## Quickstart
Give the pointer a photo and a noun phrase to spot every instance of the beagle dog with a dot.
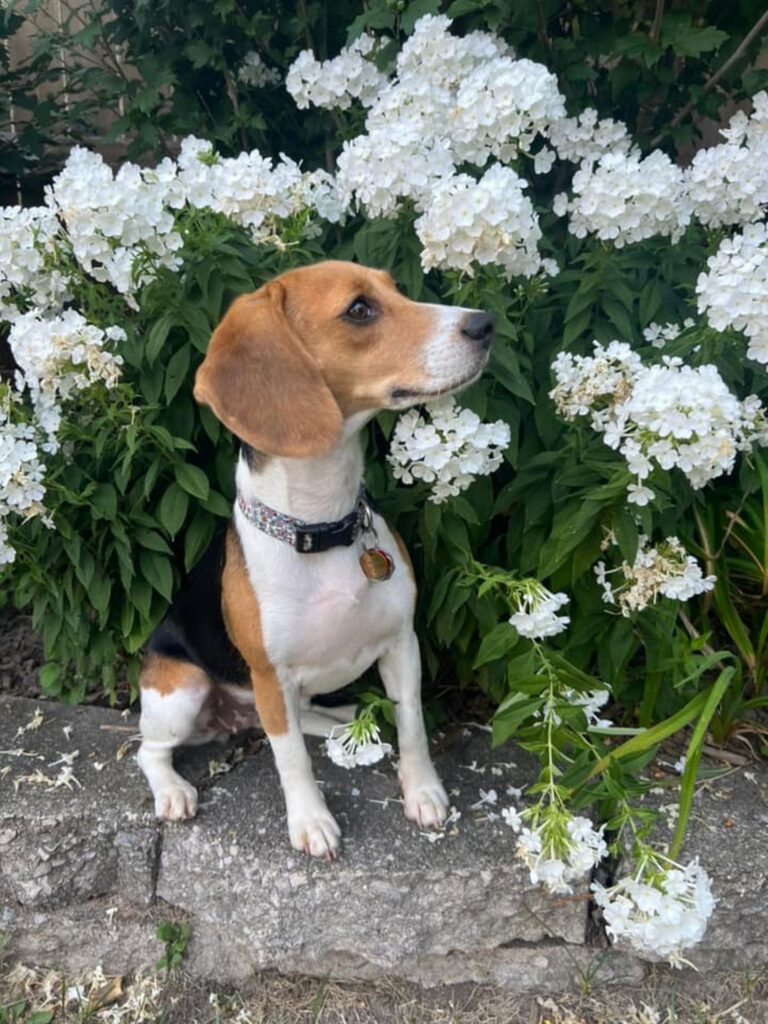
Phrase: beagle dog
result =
(282, 608)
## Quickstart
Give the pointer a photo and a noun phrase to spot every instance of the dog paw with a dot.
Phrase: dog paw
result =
(425, 802)
(316, 834)
(176, 801)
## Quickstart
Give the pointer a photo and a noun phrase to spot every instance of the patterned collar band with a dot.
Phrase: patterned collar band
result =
(308, 538)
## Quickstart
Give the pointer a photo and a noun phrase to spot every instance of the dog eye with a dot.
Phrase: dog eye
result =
(360, 311)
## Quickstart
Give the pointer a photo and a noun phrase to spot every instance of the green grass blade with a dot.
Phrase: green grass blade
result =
(692, 757)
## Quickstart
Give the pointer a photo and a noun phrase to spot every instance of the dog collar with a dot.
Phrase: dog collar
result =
(307, 538)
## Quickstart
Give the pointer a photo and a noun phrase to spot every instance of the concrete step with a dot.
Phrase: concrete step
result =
(86, 872)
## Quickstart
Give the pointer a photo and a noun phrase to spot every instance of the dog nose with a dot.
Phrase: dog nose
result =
(479, 327)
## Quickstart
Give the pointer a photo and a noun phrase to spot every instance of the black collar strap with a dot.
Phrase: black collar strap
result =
(307, 538)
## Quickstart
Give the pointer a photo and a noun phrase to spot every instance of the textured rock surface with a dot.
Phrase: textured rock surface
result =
(391, 901)
(86, 873)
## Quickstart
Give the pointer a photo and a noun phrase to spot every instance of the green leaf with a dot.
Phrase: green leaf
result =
(687, 39)
(141, 597)
(104, 502)
(693, 754)
(99, 593)
(193, 480)
(506, 723)
(496, 644)
(651, 298)
(417, 9)
(376, 244)
(157, 571)
(197, 537)
(157, 337)
(627, 536)
(217, 505)
(176, 372)
(172, 510)
(618, 316)
(651, 738)
(50, 678)
(459, 7)
(151, 540)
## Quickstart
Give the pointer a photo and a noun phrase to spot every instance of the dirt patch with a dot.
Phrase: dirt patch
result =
(21, 655)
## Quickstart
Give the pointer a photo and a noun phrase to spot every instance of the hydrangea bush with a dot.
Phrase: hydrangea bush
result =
(609, 460)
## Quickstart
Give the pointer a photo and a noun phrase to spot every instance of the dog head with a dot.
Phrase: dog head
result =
(315, 346)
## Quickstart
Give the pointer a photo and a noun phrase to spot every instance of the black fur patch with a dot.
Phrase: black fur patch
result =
(254, 459)
(194, 628)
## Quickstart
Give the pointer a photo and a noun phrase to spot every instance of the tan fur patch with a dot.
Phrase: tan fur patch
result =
(166, 675)
(243, 622)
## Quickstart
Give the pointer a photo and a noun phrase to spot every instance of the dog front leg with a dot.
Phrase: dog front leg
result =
(425, 800)
(311, 826)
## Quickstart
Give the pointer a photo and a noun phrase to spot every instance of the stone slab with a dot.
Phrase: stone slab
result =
(393, 899)
(86, 873)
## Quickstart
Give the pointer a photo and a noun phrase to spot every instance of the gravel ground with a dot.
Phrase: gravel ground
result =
(666, 997)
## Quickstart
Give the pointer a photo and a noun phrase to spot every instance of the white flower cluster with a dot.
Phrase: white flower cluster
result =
(246, 188)
(28, 275)
(448, 449)
(665, 569)
(659, 334)
(536, 617)
(500, 108)
(625, 198)
(358, 744)
(255, 73)
(728, 184)
(669, 415)
(336, 83)
(587, 385)
(58, 357)
(485, 221)
(385, 166)
(452, 101)
(734, 290)
(591, 702)
(21, 474)
(585, 138)
(662, 911)
(121, 227)
(556, 851)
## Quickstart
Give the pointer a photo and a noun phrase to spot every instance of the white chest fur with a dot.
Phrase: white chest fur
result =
(323, 622)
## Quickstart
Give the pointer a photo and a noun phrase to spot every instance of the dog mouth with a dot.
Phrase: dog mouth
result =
(408, 396)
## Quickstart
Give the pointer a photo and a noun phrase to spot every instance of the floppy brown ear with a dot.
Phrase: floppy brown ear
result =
(262, 383)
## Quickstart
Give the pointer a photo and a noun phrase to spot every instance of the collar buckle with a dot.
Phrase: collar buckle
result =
(316, 537)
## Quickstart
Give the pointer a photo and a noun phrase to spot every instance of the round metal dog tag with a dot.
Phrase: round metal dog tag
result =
(377, 564)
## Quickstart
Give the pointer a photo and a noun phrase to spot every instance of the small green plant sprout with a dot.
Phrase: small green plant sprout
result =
(175, 937)
(359, 742)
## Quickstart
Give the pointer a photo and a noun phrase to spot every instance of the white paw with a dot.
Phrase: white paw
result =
(315, 833)
(176, 801)
(425, 801)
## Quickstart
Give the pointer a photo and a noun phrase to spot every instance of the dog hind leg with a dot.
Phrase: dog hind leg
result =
(173, 694)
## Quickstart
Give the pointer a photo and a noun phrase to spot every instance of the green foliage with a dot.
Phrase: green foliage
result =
(175, 937)
(150, 473)
(152, 83)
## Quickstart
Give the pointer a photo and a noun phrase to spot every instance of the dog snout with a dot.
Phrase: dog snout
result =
(479, 327)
